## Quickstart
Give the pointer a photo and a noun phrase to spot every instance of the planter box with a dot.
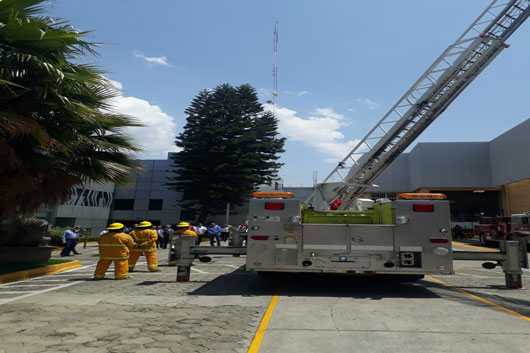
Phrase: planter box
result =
(39, 254)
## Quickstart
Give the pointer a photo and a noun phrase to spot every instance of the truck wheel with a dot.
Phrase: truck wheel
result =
(482, 239)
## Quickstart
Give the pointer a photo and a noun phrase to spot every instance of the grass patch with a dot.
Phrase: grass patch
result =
(22, 266)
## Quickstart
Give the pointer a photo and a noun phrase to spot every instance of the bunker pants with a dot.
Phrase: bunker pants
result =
(121, 270)
(150, 256)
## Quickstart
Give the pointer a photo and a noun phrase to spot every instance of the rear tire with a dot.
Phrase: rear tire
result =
(482, 239)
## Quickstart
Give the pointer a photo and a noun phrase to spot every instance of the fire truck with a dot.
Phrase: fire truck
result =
(335, 230)
(516, 227)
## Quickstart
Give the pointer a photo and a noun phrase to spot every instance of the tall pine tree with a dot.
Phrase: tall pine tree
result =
(229, 147)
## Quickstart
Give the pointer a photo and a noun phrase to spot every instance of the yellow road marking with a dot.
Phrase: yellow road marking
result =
(479, 298)
(473, 246)
(258, 337)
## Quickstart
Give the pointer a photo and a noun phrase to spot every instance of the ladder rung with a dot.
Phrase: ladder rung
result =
(441, 70)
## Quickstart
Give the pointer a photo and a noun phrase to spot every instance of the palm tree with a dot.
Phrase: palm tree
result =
(56, 127)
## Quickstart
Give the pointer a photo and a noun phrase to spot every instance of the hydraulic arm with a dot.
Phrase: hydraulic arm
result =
(434, 91)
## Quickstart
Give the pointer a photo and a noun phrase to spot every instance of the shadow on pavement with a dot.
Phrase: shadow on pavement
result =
(313, 285)
(519, 305)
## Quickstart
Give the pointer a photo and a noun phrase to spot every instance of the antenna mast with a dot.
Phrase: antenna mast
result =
(275, 70)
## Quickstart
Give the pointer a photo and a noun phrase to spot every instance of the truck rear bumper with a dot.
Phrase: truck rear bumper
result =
(362, 272)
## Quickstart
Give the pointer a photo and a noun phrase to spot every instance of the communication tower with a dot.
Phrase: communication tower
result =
(275, 70)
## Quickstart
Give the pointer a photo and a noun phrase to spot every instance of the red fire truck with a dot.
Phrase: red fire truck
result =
(503, 228)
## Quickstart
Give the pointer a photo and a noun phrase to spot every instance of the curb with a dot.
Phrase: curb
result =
(40, 271)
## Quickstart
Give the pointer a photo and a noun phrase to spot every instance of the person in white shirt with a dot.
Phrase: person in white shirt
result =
(225, 232)
(160, 239)
(201, 231)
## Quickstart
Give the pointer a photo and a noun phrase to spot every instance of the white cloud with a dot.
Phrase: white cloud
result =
(157, 137)
(320, 131)
(298, 94)
(153, 60)
(368, 103)
(265, 93)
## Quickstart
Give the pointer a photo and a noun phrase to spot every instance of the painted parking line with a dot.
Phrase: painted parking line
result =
(476, 297)
(5, 301)
(199, 271)
(233, 266)
(260, 333)
(32, 282)
(18, 284)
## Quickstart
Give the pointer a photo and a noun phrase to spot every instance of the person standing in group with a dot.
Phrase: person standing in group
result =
(182, 229)
(243, 227)
(70, 241)
(214, 233)
(115, 245)
(201, 232)
(167, 235)
(160, 239)
(144, 243)
(225, 232)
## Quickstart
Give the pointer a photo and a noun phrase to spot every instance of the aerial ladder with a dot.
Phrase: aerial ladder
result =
(432, 93)
(409, 236)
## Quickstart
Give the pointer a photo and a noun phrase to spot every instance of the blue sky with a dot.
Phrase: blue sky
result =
(342, 65)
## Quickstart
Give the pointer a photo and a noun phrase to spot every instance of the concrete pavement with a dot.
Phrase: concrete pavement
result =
(149, 313)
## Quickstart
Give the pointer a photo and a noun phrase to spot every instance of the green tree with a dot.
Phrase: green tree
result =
(229, 147)
(56, 127)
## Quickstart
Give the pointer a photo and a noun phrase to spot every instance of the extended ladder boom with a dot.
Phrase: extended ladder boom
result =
(447, 77)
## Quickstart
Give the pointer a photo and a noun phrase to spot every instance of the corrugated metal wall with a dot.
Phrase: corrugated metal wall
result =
(510, 155)
(450, 164)
(395, 178)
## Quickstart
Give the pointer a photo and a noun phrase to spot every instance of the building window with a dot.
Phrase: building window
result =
(65, 222)
(124, 204)
(187, 215)
(155, 204)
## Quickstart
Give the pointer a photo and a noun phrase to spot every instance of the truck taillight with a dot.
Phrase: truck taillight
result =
(276, 206)
(439, 240)
(259, 237)
(423, 207)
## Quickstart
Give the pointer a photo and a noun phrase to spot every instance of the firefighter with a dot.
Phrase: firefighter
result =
(144, 243)
(114, 246)
(183, 228)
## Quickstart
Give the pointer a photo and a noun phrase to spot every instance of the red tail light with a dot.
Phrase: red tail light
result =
(259, 237)
(439, 240)
(423, 207)
(276, 206)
